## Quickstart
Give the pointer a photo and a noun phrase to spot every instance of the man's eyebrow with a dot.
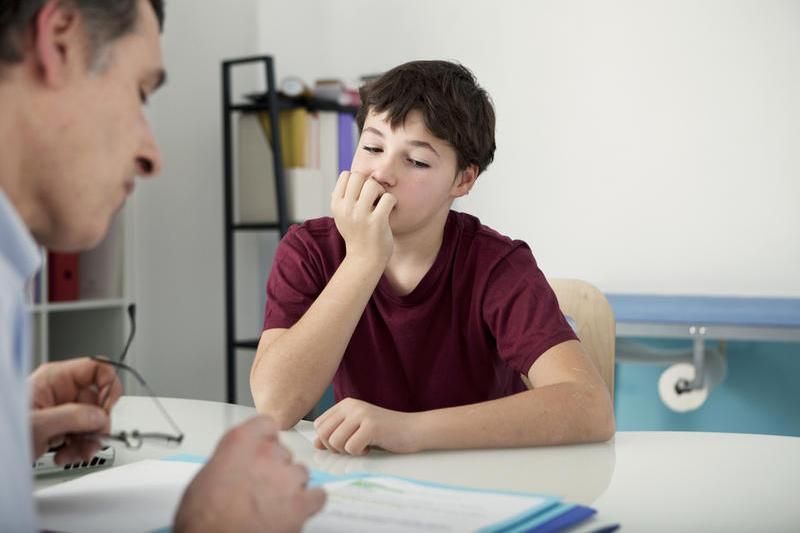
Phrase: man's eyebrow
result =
(420, 144)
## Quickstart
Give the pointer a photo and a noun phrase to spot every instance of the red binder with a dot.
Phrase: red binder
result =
(62, 276)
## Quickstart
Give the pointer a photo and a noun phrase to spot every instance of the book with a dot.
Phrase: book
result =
(329, 150)
(347, 140)
(63, 276)
(294, 127)
(338, 91)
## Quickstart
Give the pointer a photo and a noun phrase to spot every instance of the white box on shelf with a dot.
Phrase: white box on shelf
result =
(307, 190)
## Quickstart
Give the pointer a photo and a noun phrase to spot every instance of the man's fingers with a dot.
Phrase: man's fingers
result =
(107, 381)
(65, 381)
(312, 501)
(88, 395)
(77, 448)
(53, 422)
(253, 436)
(111, 393)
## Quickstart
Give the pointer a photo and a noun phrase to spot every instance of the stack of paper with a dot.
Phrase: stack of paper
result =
(388, 504)
(143, 496)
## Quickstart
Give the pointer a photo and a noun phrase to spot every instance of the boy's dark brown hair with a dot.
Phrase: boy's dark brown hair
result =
(454, 107)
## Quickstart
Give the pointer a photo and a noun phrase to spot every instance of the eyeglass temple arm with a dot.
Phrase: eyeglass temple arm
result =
(132, 320)
(124, 353)
(144, 384)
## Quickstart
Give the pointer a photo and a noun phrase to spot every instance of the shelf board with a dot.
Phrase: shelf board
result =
(78, 305)
(252, 343)
(312, 104)
(255, 226)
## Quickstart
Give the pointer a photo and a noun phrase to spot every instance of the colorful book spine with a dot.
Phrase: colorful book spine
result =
(347, 145)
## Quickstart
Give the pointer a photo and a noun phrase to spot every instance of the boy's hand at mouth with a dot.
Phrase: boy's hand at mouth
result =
(361, 209)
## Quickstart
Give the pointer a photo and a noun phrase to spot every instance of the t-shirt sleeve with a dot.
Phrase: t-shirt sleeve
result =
(522, 312)
(295, 280)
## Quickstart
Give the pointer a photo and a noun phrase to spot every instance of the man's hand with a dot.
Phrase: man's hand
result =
(249, 484)
(352, 426)
(65, 402)
(361, 209)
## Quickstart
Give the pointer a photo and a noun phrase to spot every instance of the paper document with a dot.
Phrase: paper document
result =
(144, 496)
(384, 504)
(141, 496)
(309, 434)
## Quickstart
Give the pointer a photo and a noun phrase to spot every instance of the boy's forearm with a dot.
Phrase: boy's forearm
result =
(290, 375)
(557, 414)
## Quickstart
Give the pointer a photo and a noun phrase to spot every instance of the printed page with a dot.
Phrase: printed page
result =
(387, 505)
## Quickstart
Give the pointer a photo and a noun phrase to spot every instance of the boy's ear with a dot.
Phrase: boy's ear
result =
(465, 180)
(58, 43)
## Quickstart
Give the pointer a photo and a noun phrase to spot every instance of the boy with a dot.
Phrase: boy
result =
(424, 319)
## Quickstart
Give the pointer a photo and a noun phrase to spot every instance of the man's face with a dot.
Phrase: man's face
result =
(101, 138)
(418, 168)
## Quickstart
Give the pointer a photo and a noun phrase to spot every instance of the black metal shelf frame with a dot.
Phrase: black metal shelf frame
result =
(272, 103)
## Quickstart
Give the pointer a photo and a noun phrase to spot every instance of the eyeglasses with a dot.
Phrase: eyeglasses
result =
(135, 438)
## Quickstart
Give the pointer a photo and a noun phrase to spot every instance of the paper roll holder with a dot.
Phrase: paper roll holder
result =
(698, 335)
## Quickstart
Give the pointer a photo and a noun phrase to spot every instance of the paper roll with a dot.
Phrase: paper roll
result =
(715, 368)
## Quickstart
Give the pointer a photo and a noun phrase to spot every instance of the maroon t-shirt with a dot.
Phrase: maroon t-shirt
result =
(478, 319)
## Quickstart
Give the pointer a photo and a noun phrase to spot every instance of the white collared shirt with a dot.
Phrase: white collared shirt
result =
(19, 261)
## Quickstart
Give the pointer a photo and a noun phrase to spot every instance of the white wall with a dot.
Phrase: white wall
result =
(647, 146)
(643, 145)
(179, 222)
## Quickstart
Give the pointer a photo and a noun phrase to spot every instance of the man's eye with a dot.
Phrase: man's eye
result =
(372, 149)
(143, 96)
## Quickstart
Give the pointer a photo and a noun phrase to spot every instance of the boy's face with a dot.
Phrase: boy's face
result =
(412, 164)
(101, 139)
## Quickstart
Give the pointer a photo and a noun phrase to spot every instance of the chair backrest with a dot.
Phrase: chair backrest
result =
(594, 321)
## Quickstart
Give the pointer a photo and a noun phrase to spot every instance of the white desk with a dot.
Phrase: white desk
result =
(646, 481)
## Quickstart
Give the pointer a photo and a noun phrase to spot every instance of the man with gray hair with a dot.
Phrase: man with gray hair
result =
(74, 77)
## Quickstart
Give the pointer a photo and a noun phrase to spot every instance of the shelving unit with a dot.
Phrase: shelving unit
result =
(272, 103)
(96, 326)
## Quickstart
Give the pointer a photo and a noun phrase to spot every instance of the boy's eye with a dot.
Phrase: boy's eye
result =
(372, 149)
(143, 96)
(418, 164)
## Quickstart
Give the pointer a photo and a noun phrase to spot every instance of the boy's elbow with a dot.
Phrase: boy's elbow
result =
(605, 425)
(607, 428)
(283, 417)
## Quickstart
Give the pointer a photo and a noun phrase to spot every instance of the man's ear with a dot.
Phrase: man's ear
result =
(465, 180)
(58, 42)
